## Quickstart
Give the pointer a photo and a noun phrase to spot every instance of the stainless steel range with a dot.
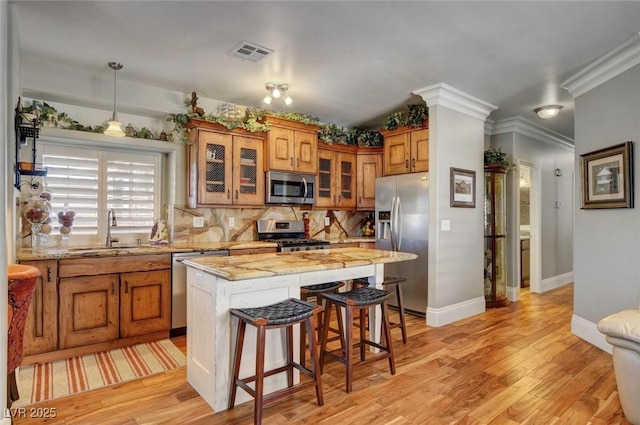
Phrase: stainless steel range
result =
(289, 235)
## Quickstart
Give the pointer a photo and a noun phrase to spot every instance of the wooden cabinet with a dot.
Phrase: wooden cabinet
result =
(369, 167)
(495, 237)
(291, 146)
(406, 150)
(336, 183)
(41, 327)
(224, 167)
(112, 298)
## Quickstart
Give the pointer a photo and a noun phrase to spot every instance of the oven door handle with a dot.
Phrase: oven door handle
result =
(304, 182)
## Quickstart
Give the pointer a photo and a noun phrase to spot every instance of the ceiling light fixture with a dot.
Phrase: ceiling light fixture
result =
(115, 126)
(548, 111)
(277, 91)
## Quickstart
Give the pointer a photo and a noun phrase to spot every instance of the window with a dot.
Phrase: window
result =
(89, 181)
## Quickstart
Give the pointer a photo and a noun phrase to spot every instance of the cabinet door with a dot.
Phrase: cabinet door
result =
(145, 302)
(88, 310)
(281, 149)
(306, 148)
(325, 193)
(369, 168)
(41, 327)
(419, 150)
(248, 171)
(396, 154)
(346, 172)
(214, 168)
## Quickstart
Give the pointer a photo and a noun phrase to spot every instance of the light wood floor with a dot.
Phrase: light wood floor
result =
(515, 365)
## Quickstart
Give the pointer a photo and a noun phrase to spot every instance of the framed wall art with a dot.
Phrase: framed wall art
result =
(607, 177)
(463, 188)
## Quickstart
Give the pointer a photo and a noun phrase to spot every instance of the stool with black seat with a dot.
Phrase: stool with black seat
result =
(357, 299)
(285, 314)
(392, 281)
(311, 291)
(22, 284)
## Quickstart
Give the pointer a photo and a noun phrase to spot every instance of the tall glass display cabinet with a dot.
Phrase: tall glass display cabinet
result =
(495, 236)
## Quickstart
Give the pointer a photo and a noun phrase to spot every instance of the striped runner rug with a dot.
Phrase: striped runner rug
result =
(46, 381)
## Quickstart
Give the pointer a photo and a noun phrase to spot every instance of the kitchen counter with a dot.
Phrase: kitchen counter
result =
(286, 263)
(217, 284)
(355, 239)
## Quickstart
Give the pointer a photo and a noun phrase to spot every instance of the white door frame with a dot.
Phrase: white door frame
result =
(535, 198)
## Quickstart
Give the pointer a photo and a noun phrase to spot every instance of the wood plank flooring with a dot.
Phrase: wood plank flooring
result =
(514, 365)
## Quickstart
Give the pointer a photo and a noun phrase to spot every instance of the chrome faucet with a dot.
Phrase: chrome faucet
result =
(111, 221)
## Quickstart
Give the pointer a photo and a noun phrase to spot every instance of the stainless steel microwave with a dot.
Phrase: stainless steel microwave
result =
(290, 188)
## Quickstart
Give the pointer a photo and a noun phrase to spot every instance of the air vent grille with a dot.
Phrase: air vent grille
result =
(250, 51)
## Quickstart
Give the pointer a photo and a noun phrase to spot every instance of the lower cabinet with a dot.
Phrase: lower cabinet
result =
(91, 304)
(41, 327)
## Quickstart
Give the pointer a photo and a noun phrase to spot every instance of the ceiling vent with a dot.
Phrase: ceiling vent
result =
(250, 51)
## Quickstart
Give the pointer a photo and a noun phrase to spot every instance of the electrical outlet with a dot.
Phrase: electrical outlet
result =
(232, 221)
(198, 221)
(327, 221)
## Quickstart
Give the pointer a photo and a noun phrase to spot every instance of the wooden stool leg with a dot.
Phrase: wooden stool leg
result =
(325, 334)
(315, 364)
(403, 326)
(237, 357)
(340, 325)
(349, 347)
(289, 332)
(387, 331)
(259, 383)
(12, 389)
(362, 315)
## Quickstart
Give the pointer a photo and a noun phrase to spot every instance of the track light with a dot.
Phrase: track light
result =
(277, 91)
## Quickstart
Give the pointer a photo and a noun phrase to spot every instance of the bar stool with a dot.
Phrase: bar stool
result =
(314, 291)
(395, 281)
(283, 314)
(22, 283)
(357, 299)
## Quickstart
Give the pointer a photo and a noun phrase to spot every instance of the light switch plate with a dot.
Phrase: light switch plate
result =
(445, 225)
(198, 221)
(327, 221)
(232, 221)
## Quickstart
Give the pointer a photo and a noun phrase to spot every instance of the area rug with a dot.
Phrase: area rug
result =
(46, 381)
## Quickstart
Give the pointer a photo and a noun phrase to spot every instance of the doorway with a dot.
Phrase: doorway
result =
(528, 229)
(525, 226)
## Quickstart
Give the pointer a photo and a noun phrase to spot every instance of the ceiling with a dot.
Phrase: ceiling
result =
(349, 63)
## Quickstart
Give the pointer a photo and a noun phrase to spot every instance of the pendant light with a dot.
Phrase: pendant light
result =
(115, 126)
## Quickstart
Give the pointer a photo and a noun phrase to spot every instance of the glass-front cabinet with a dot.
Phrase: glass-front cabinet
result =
(336, 177)
(495, 237)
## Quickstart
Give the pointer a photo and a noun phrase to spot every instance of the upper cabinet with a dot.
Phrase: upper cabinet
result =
(225, 167)
(406, 150)
(291, 146)
(369, 167)
(336, 183)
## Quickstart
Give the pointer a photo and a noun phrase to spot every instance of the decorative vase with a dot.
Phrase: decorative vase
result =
(36, 212)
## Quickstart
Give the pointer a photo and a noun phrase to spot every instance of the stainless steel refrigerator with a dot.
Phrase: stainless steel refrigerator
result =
(402, 208)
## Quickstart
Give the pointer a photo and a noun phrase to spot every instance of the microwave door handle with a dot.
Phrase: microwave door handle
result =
(304, 183)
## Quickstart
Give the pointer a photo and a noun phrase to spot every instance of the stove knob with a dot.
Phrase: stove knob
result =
(307, 248)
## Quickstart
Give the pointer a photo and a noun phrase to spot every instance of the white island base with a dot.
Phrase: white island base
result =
(211, 330)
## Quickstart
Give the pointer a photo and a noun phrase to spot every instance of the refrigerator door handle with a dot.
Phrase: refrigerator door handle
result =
(398, 224)
(391, 223)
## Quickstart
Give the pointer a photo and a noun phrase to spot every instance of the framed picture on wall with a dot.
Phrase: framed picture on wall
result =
(607, 177)
(463, 188)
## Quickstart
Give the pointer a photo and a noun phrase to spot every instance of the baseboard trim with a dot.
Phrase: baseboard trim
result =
(556, 281)
(588, 331)
(444, 315)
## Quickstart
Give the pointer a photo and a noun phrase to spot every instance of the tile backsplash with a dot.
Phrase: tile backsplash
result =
(216, 223)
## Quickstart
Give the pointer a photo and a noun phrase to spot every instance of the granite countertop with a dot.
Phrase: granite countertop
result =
(244, 267)
(55, 253)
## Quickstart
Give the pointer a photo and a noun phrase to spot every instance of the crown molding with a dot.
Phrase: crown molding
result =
(531, 129)
(606, 67)
(452, 98)
(488, 126)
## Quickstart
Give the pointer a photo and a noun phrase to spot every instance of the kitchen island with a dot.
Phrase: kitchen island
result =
(216, 284)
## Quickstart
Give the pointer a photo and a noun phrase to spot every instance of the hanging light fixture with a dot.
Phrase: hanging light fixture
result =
(115, 126)
(277, 91)
(548, 111)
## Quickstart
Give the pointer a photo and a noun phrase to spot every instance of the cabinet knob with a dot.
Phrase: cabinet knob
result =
(413, 163)
(291, 161)
(406, 163)
(49, 274)
(237, 194)
(228, 193)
